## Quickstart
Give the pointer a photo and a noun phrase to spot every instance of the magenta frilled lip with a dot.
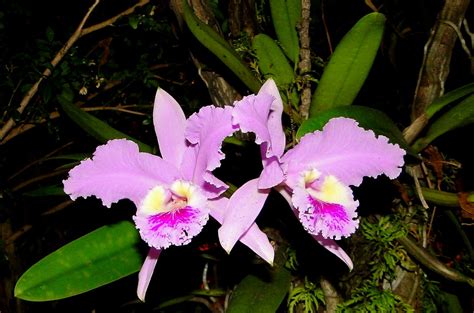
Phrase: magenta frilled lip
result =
(172, 216)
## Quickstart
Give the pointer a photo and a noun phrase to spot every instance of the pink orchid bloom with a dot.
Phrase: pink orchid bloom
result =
(175, 193)
(314, 176)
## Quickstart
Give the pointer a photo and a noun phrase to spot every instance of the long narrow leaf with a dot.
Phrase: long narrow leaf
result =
(96, 259)
(459, 116)
(97, 128)
(272, 61)
(286, 14)
(50, 190)
(349, 65)
(448, 98)
(220, 48)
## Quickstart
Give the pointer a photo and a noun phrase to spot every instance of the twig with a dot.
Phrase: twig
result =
(20, 232)
(371, 5)
(78, 33)
(53, 115)
(39, 160)
(305, 57)
(326, 29)
(47, 72)
(26, 228)
(58, 207)
(112, 20)
(27, 126)
(468, 31)
(332, 297)
(38, 178)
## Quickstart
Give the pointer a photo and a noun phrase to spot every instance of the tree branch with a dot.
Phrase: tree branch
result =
(78, 33)
(112, 20)
(436, 62)
(305, 57)
(47, 72)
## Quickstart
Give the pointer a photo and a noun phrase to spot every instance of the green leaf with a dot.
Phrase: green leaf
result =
(444, 198)
(272, 61)
(210, 39)
(52, 190)
(263, 295)
(96, 259)
(286, 14)
(95, 127)
(349, 65)
(460, 115)
(448, 98)
(72, 156)
(260, 295)
(368, 118)
(49, 34)
(451, 303)
(133, 21)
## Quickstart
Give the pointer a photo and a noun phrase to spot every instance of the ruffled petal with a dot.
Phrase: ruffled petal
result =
(146, 272)
(207, 129)
(118, 171)
(170, 123)
(241, 211)
(175, 228)
(345, 150)
(334, 248)
(261, 114)
(253, 238)
(329, 244)
(213, 186)
(331, 220)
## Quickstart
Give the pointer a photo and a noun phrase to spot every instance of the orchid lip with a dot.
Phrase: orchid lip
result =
(172, 215)
(325, 205)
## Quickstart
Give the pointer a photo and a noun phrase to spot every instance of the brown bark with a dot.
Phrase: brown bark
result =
(242, 17)
(220, 91)
(436, 62)
(305, 57)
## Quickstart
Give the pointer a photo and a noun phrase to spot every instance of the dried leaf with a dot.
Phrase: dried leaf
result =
(466, 206)
(435, 160)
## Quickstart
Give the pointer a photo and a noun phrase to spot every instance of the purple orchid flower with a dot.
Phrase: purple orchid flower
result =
(314, 176)
(175, 193)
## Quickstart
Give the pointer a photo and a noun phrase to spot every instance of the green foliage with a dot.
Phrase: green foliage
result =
(349, 65)
(55, 190)
(272, 62)
(122, 66)
(431, 295)
(372, 299)
(286, 15)
(263, 292)
(98, 258)
(210, 39)
(386, 254)
(260, 294)
(309, 295)
(448, 98)
(460, 115)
